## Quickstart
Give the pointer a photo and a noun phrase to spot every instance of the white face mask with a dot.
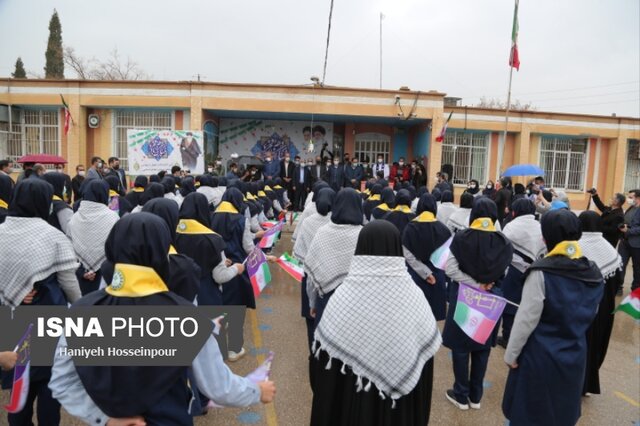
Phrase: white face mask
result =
(401, 163)
(268, 159)
(81, 173)
(380, 160)
(210, 169)
(336, 163)
(631, 200)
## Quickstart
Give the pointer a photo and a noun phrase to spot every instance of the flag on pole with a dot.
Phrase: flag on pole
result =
(441, 255)
(443, 132)
(67, 116)
(514, 57)
(477, 312)
(631, 304)
(20, 388)
(258, 270)
(291, 266)
(271, 236)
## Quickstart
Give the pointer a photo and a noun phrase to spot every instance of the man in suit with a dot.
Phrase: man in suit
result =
(115, 170)
(318, 170)
(286, 174)
(301, 184)
(353, 174)
(271, 168)
(632, 234)
(335, 175)
(77, 181)
(95, 171)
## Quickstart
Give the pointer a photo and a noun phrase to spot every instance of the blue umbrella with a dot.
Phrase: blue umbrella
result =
(523, 170)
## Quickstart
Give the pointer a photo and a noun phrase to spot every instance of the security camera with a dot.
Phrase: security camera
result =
(397, 98)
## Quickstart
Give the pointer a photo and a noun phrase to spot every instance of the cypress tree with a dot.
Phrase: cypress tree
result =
(19, 72)
(54, 67)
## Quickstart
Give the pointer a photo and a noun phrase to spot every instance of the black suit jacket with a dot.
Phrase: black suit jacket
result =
(610, 220)
(306, 184)
(318, 172)
(290, 169)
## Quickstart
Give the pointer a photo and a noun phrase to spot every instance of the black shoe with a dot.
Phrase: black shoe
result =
(502, 342)
(452, 399)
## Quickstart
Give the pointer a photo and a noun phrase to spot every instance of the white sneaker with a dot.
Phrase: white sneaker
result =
(234, 356)
(452, 399)
(474, 405)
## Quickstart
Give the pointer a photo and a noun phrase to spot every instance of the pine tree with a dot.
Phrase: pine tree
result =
(54, 67)
(19, 72)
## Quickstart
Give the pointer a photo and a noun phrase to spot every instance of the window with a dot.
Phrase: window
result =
(467, 153)
(563, 161)
(33, 131)
(137, 119)
(632, 177)
(370, 145)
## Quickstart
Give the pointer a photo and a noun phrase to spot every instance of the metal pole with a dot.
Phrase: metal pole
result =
(503, 140)
(381, 17)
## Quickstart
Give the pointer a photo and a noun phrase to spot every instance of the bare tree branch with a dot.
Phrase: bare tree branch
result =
(498, 104)
(113, 68)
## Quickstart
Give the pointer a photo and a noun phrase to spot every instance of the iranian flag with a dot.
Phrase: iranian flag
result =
(477, 312)
(67, 116)
(291, 266)
(514, 58)
(20, 386)
(258, 270)
(443, 132)
(631, 304)
(270, 237)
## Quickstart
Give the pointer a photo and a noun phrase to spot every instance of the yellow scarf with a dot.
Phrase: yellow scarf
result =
(403, 209)
(268, 188)
(483, 224)
(172, 250)
(192, 226)
(113, 193)
(374, 197)
(262, 194)
(250, 196)
(3, 204)
(425, 217)
(570, 249)
(56, 198)
(137, 189)
(135, 281)
(276, 187)
(384, 207)
(226, 207)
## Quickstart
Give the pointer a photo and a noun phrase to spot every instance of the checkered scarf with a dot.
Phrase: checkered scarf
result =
(42, 252)
(308, 211)
(459, 220)
(333, 248)
(305, 237)
(379, 324)
(597, 249)
(525, 235)
(88, 230)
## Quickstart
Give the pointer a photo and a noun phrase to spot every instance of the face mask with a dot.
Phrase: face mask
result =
(268, 159)
(631, 201)
(81, 173)
(401, 163)
(297, 163)
(218, 162)
(336, 163)
(366, 165)
(253, 172)
(286, 159)
(99, 165)
(472, 186)
(210, 169)
(413, 166)
(354, 165)
(380, 160)
(489, 186)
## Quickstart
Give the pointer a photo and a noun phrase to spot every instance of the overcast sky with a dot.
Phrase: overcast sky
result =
(576, 55)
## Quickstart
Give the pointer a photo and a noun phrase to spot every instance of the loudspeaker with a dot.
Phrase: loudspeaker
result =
(93, 121)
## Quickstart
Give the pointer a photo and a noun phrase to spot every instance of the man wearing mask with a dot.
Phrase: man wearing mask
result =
(353, 174)
(624, 249)
(381, 169)
(233, 172)
(95, 171)
(367, 171)
(301, 185)
(401, 172)
(612, 216)
(286, 174)
(77, 181)
(271, 168)
(632, 235)
(115, 170)
(318, 170)
(335, 175)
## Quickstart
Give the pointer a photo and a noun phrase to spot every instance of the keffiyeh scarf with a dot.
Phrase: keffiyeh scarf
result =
(305, 237)
(22, 266)
(308, 211)
(333, 247)
(598, 250)
(88, 229)
(379, 323)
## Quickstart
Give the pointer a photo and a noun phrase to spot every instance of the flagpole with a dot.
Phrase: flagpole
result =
(503, 140)
(381, 16)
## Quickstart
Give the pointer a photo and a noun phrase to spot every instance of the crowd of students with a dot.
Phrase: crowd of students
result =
(371, 296)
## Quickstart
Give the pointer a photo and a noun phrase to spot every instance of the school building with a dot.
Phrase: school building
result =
(576, 151)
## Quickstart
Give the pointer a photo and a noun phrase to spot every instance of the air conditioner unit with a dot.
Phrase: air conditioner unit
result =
(93, 121)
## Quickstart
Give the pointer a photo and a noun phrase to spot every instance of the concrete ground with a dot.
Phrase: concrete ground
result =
(276, 326)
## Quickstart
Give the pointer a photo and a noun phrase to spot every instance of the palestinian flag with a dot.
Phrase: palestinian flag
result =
(291, 266)
(631, 304)
(514, 58)
(443, 132)
(67, 116)
(258, 270)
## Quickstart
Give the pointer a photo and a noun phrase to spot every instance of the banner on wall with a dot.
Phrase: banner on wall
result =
(256, 137)
(150, 151)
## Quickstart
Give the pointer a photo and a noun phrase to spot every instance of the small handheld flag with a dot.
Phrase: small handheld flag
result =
(271, 236)
(631, 304)
(258, 270)
(291, 266)
(443, 132)
(441, 255)
(477, 312)
(20, 388)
